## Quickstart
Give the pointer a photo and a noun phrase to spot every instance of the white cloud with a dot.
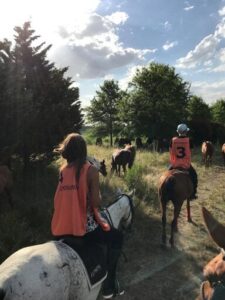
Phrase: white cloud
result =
(168, 45)
(118, 17)
(95, 50)
(123, 83)
(45, 21)
(222, 11)
(209, 91)
(187, 8)
(204, 51)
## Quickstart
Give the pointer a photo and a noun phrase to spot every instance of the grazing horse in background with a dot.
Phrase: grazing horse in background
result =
(213, 288)
(100, 165)
(223, 153)
(175, 185)
(123, 157)
(98, 141)
(53, 270)
(207, 152)
(138, 143)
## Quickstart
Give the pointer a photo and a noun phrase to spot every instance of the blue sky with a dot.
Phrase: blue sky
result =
(109, 39)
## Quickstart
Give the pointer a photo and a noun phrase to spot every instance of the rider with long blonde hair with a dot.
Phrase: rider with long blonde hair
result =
(76, 204)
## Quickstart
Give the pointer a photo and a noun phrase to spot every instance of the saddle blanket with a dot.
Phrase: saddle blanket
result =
(93, 258)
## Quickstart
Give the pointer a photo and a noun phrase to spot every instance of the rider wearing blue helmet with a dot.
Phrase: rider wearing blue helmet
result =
(180, 154)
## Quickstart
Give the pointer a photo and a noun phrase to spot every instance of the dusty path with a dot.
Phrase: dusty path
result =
(152, 273)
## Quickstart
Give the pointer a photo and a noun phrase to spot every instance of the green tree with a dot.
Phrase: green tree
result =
(218, 111)
(102, 112)
(157, 101)
(42, 104)
(197, 109)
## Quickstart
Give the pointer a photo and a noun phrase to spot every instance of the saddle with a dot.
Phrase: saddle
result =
(180, 170)
(93, 257)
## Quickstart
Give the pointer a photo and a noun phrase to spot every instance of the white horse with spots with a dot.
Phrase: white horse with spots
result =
(54, 271)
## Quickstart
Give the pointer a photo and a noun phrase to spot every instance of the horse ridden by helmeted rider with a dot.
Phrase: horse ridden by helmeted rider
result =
(180, 155)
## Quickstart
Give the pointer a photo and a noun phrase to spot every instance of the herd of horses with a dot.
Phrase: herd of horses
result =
(46, 271)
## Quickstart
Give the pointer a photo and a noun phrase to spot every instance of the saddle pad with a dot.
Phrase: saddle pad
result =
(93, 257)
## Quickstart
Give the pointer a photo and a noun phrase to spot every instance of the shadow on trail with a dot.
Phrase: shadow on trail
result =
(155, 273)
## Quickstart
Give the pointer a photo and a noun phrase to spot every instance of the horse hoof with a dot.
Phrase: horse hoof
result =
(189, 220)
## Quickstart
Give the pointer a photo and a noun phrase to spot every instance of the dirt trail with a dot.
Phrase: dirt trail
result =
(152, 273)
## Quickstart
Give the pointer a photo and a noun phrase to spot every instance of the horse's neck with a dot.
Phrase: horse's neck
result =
(94, 162)
(118, 210)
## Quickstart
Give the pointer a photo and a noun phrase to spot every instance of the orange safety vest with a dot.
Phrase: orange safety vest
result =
(70, 204)
(180, 153)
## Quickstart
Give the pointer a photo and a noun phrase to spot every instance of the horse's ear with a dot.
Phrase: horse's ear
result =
(205, 290)
(215, 229)
(119, 192)
(103, 161)
(132, 193)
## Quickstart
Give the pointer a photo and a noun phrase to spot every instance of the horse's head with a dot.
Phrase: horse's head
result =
(102, 169)
(214, 272)
(121, 212)
(100, 165)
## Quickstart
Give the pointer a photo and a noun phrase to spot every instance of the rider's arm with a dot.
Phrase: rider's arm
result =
(93, 186)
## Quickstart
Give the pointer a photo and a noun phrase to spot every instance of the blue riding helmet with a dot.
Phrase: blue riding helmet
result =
(182, 128)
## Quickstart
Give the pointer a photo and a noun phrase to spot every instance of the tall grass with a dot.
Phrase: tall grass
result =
(29, 221)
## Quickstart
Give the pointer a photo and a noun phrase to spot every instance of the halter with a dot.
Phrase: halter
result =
(107, 215)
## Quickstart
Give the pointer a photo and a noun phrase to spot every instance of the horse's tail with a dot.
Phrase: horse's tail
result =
(2, 294)
(167, 189)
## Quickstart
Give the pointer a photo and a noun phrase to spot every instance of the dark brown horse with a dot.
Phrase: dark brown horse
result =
(174, 185)
(123, 157)
(223, 153)
(207, 153)
(213, 288)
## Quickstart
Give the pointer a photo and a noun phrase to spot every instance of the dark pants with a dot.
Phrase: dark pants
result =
(193, 175)
(113, 239)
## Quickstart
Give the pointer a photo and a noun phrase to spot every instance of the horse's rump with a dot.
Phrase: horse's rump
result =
(207, 148)
(175, 183)
(47, 271)
(121, 157)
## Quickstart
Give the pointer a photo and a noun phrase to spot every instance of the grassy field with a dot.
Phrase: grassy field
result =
(163, 274)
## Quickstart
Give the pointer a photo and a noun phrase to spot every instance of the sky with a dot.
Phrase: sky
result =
(110, 39)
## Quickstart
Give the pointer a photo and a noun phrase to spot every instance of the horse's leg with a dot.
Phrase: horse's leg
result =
(124, 169)
(188, 211)
(177, 209)
(119, 169)
(163, 207)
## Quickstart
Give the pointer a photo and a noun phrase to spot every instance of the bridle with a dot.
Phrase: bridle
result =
(107, 215)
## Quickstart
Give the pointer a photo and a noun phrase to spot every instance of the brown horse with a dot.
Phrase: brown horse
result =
(207, 153)
(223, 153)
(213, 288)
(174, 185)
(6, 182)
(123, 157)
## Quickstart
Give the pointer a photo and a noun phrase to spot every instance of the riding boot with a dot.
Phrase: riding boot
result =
(194, 178)
(111, 286)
